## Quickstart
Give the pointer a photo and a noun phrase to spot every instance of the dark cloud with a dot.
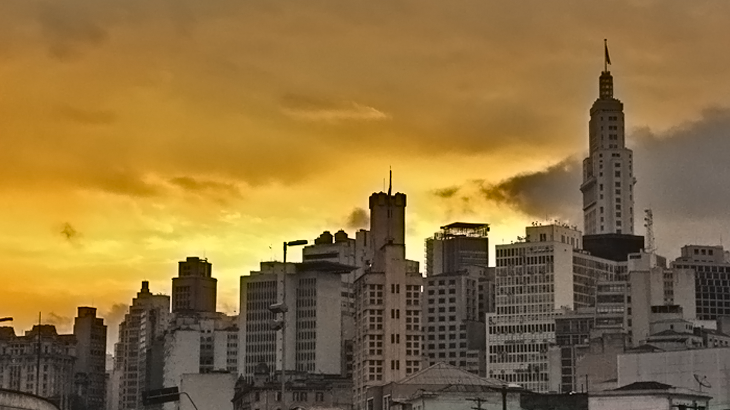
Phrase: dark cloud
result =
(69, 28)
(121, 182)
(64, 324)
(446, 192)
(550, 192)
(201, 186)
(87, 116)
(358, 219)
(69, 233)
(682, 176)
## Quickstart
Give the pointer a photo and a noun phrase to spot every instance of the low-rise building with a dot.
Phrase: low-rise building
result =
(303, 390)
(648, 395)
(41, 362)
(442, 386)
(707, 370)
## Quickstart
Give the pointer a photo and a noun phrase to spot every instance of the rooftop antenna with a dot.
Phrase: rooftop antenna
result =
(390, 181)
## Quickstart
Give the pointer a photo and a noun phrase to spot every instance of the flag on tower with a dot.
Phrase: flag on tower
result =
(605, 46)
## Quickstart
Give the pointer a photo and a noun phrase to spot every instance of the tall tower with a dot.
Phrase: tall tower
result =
(608, 179)
(90, 332)
(388, 338)
(194, 290)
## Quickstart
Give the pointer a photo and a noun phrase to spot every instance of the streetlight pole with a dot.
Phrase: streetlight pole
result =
(283, 318)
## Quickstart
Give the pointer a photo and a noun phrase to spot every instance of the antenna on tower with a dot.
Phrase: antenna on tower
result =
(649, 225)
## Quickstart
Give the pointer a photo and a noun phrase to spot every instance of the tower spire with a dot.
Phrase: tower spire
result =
(605, 82)
(390, 181)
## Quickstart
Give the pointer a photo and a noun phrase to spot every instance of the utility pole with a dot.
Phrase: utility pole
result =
(38, 357)
(478, 401)
(504, 397)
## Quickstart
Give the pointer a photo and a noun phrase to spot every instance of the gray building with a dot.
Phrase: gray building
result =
(456, 246)
(90, 367)
(194, 290)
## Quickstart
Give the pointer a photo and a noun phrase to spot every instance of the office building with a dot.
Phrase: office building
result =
(41, 362)
(134, 360)
(454, 309)
(305, 390)
(711, 266)
(388, 334)
(457, 246)
(90, 366)
(317, 318)
(536, 281)
(200, 343)
(194, 290)
(608, 179)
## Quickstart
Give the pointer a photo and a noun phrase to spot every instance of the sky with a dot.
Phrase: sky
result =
(135, 133)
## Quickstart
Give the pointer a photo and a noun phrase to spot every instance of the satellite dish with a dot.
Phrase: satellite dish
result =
(702, 381)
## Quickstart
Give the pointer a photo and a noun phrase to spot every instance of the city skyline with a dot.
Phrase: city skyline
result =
(148, 152)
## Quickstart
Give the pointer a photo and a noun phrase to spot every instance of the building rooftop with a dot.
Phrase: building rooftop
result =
(645, 386)
(445, 374)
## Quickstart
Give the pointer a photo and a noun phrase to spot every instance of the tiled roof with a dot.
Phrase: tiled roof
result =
(645, 386)
(445, 374)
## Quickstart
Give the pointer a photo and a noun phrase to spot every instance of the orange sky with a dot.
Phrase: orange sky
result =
(138, 132)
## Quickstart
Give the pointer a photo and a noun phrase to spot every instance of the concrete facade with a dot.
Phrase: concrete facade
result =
(90, 367)
(15, 400)
(48, 373)
(711, 266)
(207, 391)
(648, 395)
(388, 333)
(684, 369)
(536, 281)
(608, 180)
(318, 320)
(195, 288)
(148, 317)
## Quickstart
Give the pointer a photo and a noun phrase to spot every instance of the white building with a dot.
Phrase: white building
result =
(608, 178)
(648, 395)
(317, 319)
(536, 281)
(704, 370)
(388, 332)
(207, 390)
(711, 265)
(655, 290)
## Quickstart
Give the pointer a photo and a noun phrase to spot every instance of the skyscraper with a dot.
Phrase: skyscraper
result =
(608, 179)
(387, 303)
(318, 318)
(90, 332)
(457, 246)
(194, 290)
(147, 318)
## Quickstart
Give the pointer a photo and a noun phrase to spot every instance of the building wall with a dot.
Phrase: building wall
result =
(679, 368)
(90, 333)
(712, 279)
(535, 283)
(608, 179)
(194, 290)
(15, 400)
(131, 350)
(207, 391)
